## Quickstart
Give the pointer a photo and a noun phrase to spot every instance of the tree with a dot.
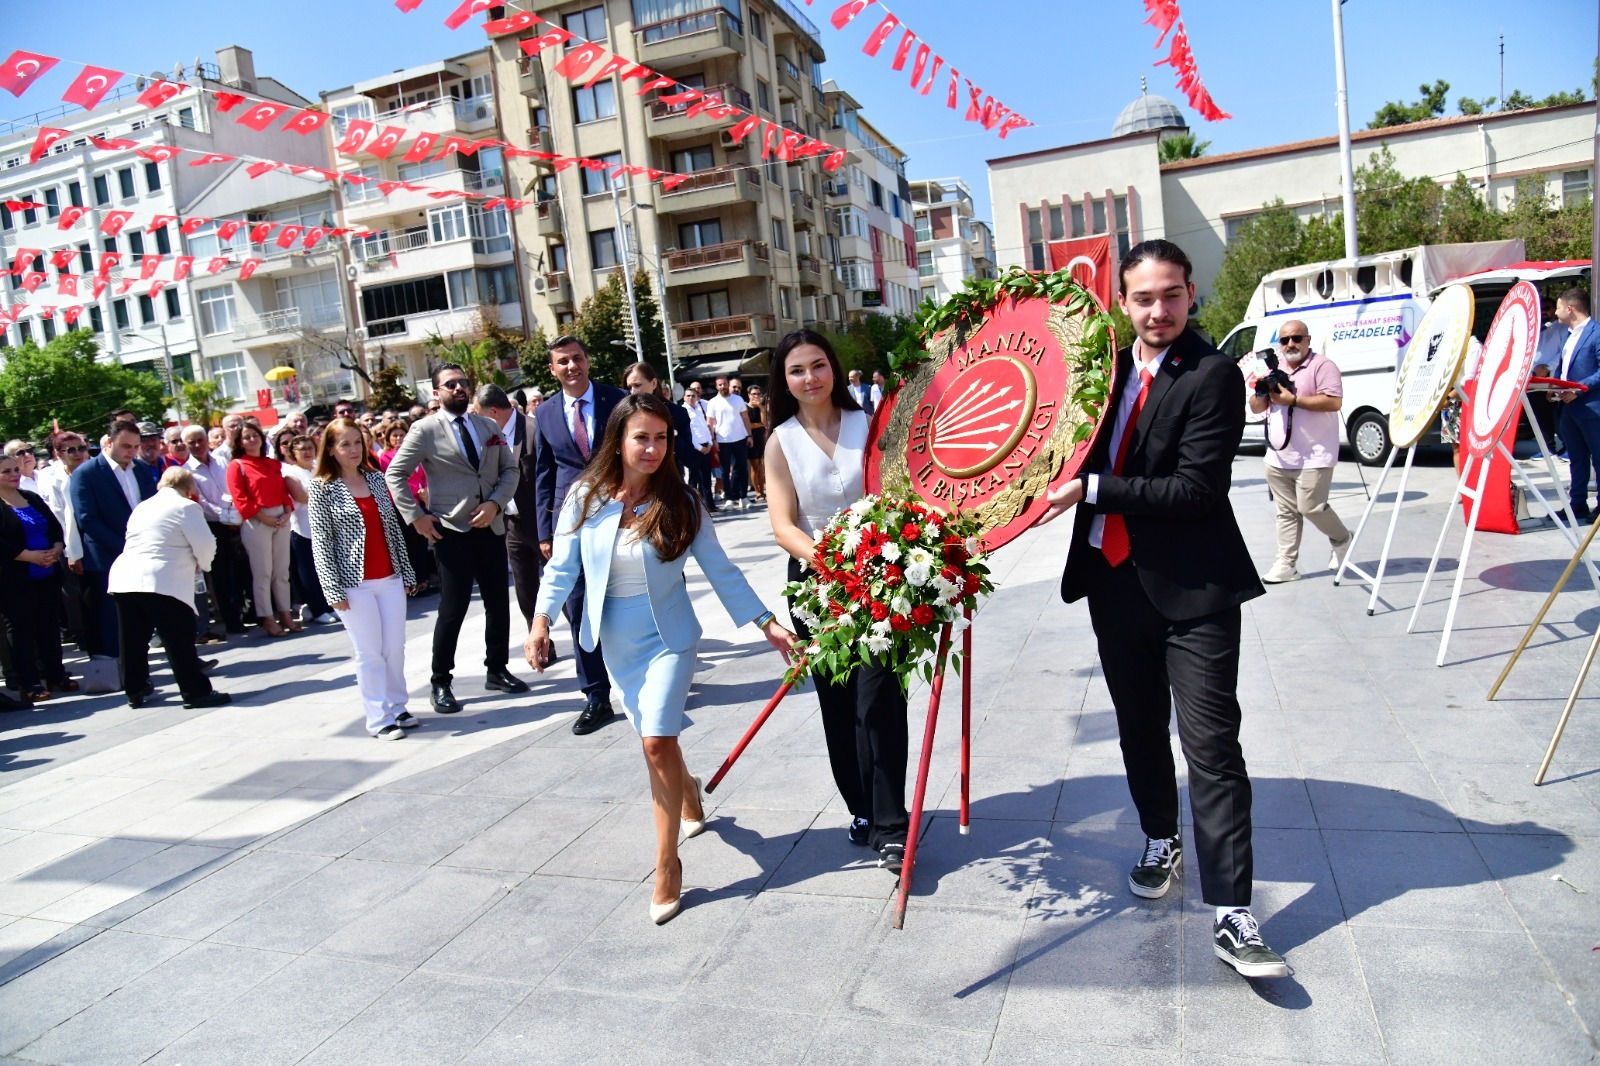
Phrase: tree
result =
(1521, 101)
(1468, 106)
(533, 355)
(1393, 211)
(1176, 146)
(204, 402)
(1549, 230)
(63, 382)
(1398, 112)
(603, 318)
(388, 388)
(1464, 216)
(865, 343)
(1269, 241)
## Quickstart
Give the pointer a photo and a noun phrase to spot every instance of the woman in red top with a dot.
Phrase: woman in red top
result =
(365, 574)
(264, 499)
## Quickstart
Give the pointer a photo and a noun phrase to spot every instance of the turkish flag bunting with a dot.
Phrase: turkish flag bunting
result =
(47, 311)
(408, 6)
(159, 153)
(114, 144)
(211, 157)
(226, 230)
(387, 188)
(23, 205)
(8, 317)
(228, 101)
(258, 232)
(70, 216)
(389, 139)
(217, 264)
(307, 121)
(107, 261)
(112, 223)
(181, 265)
(255, 170)
(33, 279)
(97, 286)
(261, 115)
(419, 147)
(159, 93)
(47, 136)
(22, 69)
(24, 256)
(467, 9)
(191, 226)
(1089, 259)
(67, 284)
(91, 86)
(355, 135)
(159, 222)
(288, 235)
(71, 314)
(314, 236)
(61, 258)
(1163, 14)
(156, 287)
(148, 265)
(247, 268)
(356, 179)
(522, 20)
(123, 286)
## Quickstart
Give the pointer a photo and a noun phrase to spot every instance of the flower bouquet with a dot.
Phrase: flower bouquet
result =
(886, 576)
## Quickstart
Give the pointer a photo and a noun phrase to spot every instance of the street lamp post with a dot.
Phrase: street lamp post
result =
(1346, 167)
(627, 260)
(661, 294)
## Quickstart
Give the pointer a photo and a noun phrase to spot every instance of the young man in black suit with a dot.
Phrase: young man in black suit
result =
(1158, 554)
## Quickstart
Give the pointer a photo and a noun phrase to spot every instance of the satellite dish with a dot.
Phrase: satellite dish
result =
(138, 81)
(177, 71)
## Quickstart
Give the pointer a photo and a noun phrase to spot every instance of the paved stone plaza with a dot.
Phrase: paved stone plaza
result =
(265, 884)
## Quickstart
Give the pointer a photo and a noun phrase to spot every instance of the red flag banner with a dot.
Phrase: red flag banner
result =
(181, 265)
(148, 265)
(22, 69)
(112, 223)
(307, 121)
(228, 101)
(255, 170)
(160, 93)
(288, 235)
(1165, 16)
(1089, 259)
(226, 230)
(114, 144)
(467, 9)
(91, 86)
(159, 221)
(159, 153)
(248, 267)
(356, 131)
(211, 157)
(70, 216)
(47, 136)
(193, 225)
(389, 139)
(156, 287)
(108, 260)
(218, 263)
(61, 258)
(72, 314)
(67, 284)
(261, 115)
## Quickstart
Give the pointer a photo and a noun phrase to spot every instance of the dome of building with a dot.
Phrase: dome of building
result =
(1148, 112)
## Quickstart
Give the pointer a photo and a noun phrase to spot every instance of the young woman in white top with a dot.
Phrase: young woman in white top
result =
(815, 459)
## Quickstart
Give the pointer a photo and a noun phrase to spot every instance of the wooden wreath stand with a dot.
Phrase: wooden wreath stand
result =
(920, 795)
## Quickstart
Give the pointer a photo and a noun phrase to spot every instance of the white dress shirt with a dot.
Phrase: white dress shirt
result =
(126, 481)
(1570, 345)
(211, 478)
(699, 431)
(1143, 359)
(569, 410)
(462, 424)
(513, 431)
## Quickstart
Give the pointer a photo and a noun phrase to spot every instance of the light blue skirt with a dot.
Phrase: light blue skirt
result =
(653, 679)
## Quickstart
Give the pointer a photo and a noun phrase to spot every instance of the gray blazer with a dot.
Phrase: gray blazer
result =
(454, 488)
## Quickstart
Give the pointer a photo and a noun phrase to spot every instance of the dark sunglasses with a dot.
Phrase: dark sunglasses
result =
(458, 383)
(1291, 338)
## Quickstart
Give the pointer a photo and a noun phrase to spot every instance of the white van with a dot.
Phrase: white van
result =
(1361, 313)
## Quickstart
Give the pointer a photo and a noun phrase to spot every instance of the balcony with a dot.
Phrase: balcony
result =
(483, 181)
(555, 287)
(732, 332)
(442, 116)
(418, 328)
(811, 272)
(530, 80)
(548, 219)
(790, 85)
(285, 324)
(719, 187)
(691, 39)
(539, 138)
(672, 120)
(729, 261)
(806, 213)
(411, 251)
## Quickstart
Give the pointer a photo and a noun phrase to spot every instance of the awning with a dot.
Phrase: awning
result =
(711, 366)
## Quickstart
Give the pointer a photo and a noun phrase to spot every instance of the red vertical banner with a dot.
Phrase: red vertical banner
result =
(1089, 258)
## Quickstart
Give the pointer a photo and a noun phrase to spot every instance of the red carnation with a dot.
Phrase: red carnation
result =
(951, 574)
(892, 575)
(880, 611)
(836, 609)
(838, 559)
(922, 614)
(972, 584)
(899, 623)
(911, 531)
(955, 554)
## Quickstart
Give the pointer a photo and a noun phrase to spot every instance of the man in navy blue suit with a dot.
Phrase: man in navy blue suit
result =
(1580, 415)
(105, 490)
(570, 425)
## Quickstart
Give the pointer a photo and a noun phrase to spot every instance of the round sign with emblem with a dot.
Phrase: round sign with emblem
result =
(986, 425)
(1507, 362)
(1431, 365)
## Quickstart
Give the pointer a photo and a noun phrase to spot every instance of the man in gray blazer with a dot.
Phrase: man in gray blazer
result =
(472, 475)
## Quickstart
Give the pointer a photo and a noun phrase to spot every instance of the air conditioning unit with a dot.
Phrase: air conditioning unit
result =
(728, 140)
(351, 271)
(540, 284)
(359, 334)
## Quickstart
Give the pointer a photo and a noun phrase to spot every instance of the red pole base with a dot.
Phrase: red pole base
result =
(750, 734)
(915, 828)
(966, 723)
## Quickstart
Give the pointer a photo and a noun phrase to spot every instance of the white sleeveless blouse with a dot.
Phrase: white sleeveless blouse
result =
(825, 486)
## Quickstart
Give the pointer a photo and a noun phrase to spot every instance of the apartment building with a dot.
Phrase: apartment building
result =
(745, 250)
(428, 268)
(952, 246)
(206, 325)
(870, 201)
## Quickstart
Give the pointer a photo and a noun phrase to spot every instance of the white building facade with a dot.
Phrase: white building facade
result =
(870, 200)
(953, 247)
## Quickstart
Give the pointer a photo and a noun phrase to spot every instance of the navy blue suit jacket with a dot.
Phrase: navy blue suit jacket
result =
(1585, 369)
(101, 510)
(558, 463)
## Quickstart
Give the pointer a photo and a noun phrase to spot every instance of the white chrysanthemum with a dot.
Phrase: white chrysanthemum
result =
(918, 575)
(900, 605)
(931, 532)
(863, 505)
(892, 520)
(890, 552)
(877, 644)
(852, 540)
(972, 545)
(958, 623)
(945, 590)
(919, 557)
(880, 629)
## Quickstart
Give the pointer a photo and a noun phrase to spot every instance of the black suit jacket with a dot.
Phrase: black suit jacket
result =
(1173, 491)
(559, 463)
(526, 452)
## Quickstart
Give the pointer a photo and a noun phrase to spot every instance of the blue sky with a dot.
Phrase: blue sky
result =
(1070, 67)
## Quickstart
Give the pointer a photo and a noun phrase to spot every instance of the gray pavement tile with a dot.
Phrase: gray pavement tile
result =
(284, 1017)
(528, 773)
(424, 1020)
(299, 918)
(349, 825)
(996, 865)
(58, 878)
(1571, 955)
(620, 846)
(528, 837)
(437, 826)
(146, 875)
(142, 1017)
(740, 849)
(49, 994)
(946, 968)
(22, 936)
(823, 862)
(856, 1042)
(1524, 865)
(559, 1027)
(1292, 876)
(787, 952)
(26, 958)
(1504, 799)
(409, 927)
(1279, 799)
(1334, 735)
(1444, 1004)
(1014, 1048)
(528, 933)
(84, 794)
(690, 1034)
(208, 904)
(1005, 787)
(1380, 796)
(1095, 794)
(1423, 880)
(616, 775)
(779, 782)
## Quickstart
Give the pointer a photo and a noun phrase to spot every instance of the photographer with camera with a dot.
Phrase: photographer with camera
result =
(1302, 401)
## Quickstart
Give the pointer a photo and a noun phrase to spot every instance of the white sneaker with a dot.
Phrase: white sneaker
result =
(1336, 560)
(305, 614)
(1280, 573)
(327, 619)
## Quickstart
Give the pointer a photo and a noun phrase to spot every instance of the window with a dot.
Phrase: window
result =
(102, 190)
(925, 264)
(775, 172)
(491, 230)
(25, 331)
(343, 114)
(49, 328)
(152, 177)
(86, 258)
(498, 285)
(874, 192)
(174, 308)
(356, 192)
(75, 194)
(205, 244)
(603, 249)
(1098, 216)
(1079, 227)
(758, 27)
(163, 241)
(763, 95)
(135, 242)
(108, 244)
(416, 297)
(599, 181)
(186, 117)
(1035, 239)
(119, 314)
(216, 310)
(6, 221)
(924, 228)
(786, 302)
(704, 305)
(700, 234)
(558, 257)
(463, 288)
(125, 182)
(97, 321)
(372, 246)
(448, 223)
(1575, 188)
(780, 235)
(31, 215)
(689, 160)
(1231, 227)
(316, 295)
(52, 203)
(229, 372)
(147, 311)
(596, 102)
(1058, 224)
(1120, 215)
(418, 171)
(589, 24)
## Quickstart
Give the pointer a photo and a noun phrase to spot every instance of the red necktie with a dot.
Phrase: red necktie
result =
(580, 432)
(1114, 535)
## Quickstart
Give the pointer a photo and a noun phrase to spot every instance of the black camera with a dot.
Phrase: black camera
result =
(1275, 378)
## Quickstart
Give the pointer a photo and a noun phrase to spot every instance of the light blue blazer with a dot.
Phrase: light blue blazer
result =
(588, 551)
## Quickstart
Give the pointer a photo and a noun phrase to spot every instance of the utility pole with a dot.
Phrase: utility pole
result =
(666, 322)
(1594, 185)
(626, 251)
(172, 381)
(1502, 72)
(1347, 168)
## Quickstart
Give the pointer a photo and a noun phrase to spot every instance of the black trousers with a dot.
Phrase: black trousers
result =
(478, 555)
(592, 677)
(222, 580)
(143, 613)
(305, 569)
(864, 723)
(99, 613)
(1151, 664)
(735, 468)
(527, 563)
(698, 464)
(32, 610)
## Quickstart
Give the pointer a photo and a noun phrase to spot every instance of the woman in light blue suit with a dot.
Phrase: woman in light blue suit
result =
(629, 525)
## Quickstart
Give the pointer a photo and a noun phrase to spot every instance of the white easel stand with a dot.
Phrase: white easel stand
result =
(1375, 579)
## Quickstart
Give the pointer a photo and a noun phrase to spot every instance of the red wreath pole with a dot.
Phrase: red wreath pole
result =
(749, 735)
(966, 721)
(915, 828)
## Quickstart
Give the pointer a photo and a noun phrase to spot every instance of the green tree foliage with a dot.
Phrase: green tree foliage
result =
(1550, 230)
(533, 355)
(1270, 241)
(1464, 216)
(388, 388)
(865, 343)
(1176, 146)
(1393, 211)
(204, 402)
(1521, 101)
(1468, 106)
(63, 382)
(1399, 112)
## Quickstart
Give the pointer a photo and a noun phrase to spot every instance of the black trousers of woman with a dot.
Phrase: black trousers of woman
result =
(864, 722)
(141, 613)
(305, 569)
(32, 610)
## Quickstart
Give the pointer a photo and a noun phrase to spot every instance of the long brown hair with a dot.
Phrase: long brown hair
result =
(672, 520)
(327, 466)
(781, 403)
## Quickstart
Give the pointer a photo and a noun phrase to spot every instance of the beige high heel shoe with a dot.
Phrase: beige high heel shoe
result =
(693, 828)
(661, 913)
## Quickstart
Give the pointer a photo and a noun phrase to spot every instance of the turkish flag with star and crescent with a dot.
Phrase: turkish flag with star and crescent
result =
(91, 86)
(1089, 258)
(22, 69)
(260, 116)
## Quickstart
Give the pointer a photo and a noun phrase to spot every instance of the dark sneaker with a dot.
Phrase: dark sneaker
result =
(891, 856)
(860, 829)
(1163, 856)
(390, 732)
(1237, 942)
(407, 720)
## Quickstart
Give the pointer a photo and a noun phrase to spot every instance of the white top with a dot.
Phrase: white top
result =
(627, 576)
(1143, 359)
(1570, 345)
(726, 412)
(699, 432)
(825, 486)
(569, 411)
(168, 540)
(126, 480)
(300, 517)
(57, 493)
